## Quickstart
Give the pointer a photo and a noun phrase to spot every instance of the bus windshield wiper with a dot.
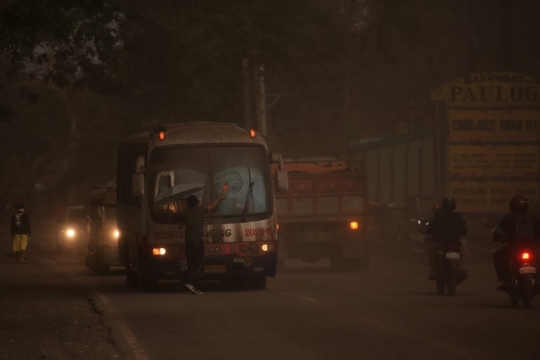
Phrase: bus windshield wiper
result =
(249, 198)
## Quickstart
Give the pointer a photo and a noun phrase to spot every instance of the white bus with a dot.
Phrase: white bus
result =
(158, 170)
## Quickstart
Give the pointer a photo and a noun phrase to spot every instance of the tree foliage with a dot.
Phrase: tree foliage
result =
(63, 42)
(115, 66)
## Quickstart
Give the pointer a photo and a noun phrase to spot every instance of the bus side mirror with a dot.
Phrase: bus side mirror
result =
(276, 158)
(282, 179)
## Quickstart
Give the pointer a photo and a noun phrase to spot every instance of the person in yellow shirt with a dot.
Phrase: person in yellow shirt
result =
(20, 232)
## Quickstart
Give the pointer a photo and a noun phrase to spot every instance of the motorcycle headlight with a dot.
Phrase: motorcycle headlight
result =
(70, 233)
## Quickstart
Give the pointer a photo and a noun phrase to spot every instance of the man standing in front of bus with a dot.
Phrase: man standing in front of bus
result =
(193, 219)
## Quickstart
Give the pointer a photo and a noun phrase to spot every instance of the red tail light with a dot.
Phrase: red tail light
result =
(525, 256)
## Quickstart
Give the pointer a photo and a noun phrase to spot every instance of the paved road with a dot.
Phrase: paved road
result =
(44, 314)
(390, 312)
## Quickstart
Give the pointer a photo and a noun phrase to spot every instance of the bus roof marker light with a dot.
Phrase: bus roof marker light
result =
(161, 135)
(252, 133)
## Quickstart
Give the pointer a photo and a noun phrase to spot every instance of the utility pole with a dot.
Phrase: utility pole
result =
(248, 123)
(261, 101)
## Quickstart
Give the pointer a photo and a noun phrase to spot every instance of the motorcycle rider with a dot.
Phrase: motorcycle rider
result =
(447, 226)
(516, 226)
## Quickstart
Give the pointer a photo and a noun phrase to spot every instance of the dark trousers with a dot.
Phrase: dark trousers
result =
(194, 255)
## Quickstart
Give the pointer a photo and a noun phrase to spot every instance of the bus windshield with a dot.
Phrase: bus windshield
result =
(176, 173)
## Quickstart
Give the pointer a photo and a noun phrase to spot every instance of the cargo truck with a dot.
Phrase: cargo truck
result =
(323, 214)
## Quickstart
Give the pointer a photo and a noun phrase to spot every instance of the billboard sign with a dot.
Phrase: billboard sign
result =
(494, 160)
(488, 90)
(491, 195)
(494, 124)
(491, 146)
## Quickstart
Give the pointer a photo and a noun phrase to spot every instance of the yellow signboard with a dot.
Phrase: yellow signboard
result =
(488, 90)
(491, 124)
(500, 160)
(491, 195)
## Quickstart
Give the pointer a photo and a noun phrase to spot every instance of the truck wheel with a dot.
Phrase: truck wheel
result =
(132, 279)
(259, 283)
(102, 268)
(150, 284)
(59, 247)
(363, 264)
(100, 262)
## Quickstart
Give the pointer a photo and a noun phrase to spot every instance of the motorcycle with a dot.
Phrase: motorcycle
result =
(525, 279)
(449, 272)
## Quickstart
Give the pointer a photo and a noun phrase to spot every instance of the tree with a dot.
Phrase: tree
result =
(62, 42)
(177, 61)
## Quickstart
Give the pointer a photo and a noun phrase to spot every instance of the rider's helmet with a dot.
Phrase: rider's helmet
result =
(448, 204)
(519, 204)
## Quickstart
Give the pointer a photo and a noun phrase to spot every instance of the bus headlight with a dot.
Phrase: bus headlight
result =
(267, 247)
(159, 251)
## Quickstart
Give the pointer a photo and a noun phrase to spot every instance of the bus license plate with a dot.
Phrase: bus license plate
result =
(212, 269)
(527, 270)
